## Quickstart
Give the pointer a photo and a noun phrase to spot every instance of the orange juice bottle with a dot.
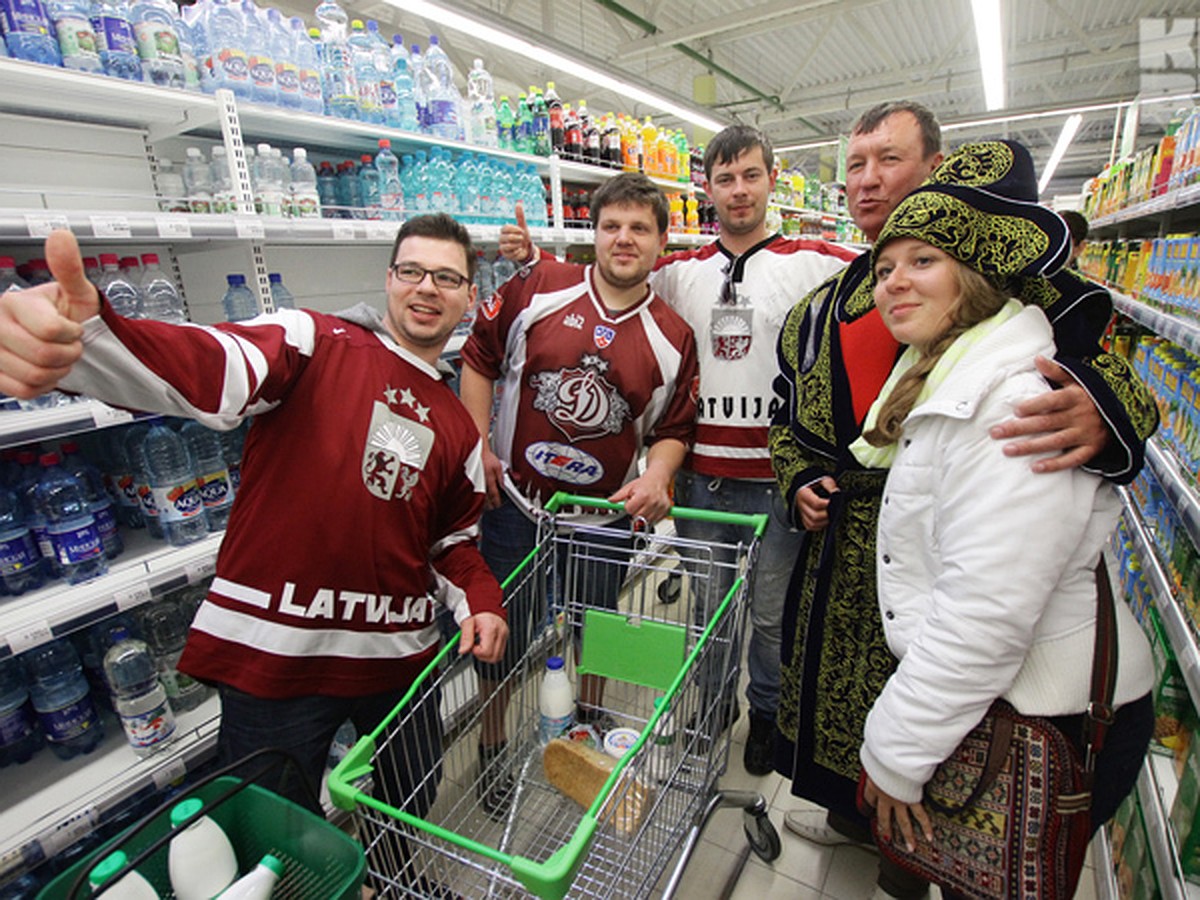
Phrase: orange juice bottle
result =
(692, 217)
(675, 204)
(649, 147)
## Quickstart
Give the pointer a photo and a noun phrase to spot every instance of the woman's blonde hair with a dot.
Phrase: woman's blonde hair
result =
(978, 299)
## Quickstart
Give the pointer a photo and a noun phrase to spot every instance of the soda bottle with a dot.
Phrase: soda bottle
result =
(115, 39)
(204, 447)
(590, 135)
(327, 189)
(308, 67)
(20, 736)
(337, 70)
(281, 297)
(160, 298)
(165, 626)
(305, 198)
(369, 187)
(391, 196)
(100, 504)
(610, 143)
(556, 701)
(60, 696)
(505, 136)
(692, 216)
(573, 137)
(481, 107)
(541, 122)
(239, 302)
(649, 147)
(523, 126)
(198, 181)
(132, 886)
(177, 495)
(70, 524)
(139, 700)
(157, 42)
(28, 32)
(445, 101)
(554, 110)
(362, 54)
(76, 38)
(21, 567)
(675, 206)
(134, 442)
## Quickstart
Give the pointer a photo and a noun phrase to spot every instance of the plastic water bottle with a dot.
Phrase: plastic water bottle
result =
(327, 190)
(466, 189)
(541, 125)
(160, 297)
(484, 284)
(200, 859)
(281, 297)
(116, 40)
(381, 51)
(170, 185)
(20, 736)
(305, 199)
(28, 32)
(268, 182)
(197, 179)
(283, 51)
(391, 194)
(337, 70)
(60, 696)
(556, 701)
(258, 884)
(258, 53)
(140, 701)
(369, 187)
(406, 103)
(120, 475)
(192, 23)
(9, 279)
(352, 190)
(204, 448)
(100, 504)
(232, 443)
(362, 54)
(502, 270)
(158, 42)
(76, 38)
(70, 524)
(21, 567)
(188, 54)
(228, 60)
(445, 101)
(133, 886)
(308, 68)
(165, 626)
(481, 107)
(134, 441)
(421, 86)
(177, 493)
(223, 198)
(440, 181)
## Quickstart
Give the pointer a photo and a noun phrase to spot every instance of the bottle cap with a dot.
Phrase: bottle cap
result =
(49, 459)
(275, 278)
(273, 863)
(149, 259)
(109, 259)
(384, 143)
(181, 812)
(554, 663)
(107, 868)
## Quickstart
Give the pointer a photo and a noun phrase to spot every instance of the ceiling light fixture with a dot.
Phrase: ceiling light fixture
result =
(513, 43)
(990, 40)
(1060, 148)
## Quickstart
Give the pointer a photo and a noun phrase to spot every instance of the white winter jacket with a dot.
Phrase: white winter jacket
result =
(986, 570)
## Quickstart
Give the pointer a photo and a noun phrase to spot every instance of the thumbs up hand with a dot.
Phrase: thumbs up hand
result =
(515, 241)
(40, 334)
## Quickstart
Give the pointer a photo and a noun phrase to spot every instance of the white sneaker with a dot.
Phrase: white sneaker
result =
(813, 826)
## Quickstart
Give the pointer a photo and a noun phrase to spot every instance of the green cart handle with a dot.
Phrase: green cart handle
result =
(758, 521)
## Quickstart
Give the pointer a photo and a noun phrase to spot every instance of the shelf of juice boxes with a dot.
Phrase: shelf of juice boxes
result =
(1184, 332)
(1185, 198)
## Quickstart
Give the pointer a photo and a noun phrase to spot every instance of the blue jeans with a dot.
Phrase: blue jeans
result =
(768, 583)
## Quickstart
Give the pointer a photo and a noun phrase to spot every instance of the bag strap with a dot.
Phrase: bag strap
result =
(1099, 714)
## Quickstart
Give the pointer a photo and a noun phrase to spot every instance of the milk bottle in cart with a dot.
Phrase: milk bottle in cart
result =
(259, 883)
(556, 701)
(201, 861)
(133, 886)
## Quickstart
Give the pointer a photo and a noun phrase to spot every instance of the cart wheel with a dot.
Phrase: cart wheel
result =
(761, 833)
(670, 589)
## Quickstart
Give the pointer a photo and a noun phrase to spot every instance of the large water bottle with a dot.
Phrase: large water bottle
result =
(337, 70)
(176, 490)
(362, 54)
(224, 200)
(445, 101)
(197, 180)
(28, 32)
(232, 444)
(21, 566)
(228, 62)
(115, 39)
(281, 297)
(20, 736)
(258, 52)
(406, 103)
(283, 51)
(60, 695)
(158, 42)
(100, 504)
(391, 194)
(70, 524)
(165, 626)
(505, 136)
(381, 51)
(305, 199)
(195, 24)
(122, 294)
(204, 448)
(441, 181)
(25, 487)
(369, 187)
(160, 297)
(481, 107)
(135, 439)
(121, 475)
(9, 279)
(76, 38)
(308, 68)
(421, 85)
(188, 53)
(138, 698)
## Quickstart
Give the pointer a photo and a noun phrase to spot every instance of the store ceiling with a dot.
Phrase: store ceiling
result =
(802, 70)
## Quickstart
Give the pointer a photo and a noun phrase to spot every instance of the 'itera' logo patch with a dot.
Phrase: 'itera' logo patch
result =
(564, 463)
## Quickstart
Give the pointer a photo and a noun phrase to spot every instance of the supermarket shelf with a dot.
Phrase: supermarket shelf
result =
(1156, 206)
(1177, 485)
(1174, 620)
(1106, 878)
(1156, 789)
(1180, 331)
(146, 570)
(585, 173)
(25, 426)
(50, 803)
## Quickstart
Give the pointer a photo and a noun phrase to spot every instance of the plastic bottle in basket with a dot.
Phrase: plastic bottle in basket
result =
(173, 481)
(133, 886)
(259, 883)
(61, 698)
(21, 565)
(204, 447)
(200, 859)
(99, 502)
(556, 701)
(70, 525)
(20, 736)
(165, 626)
(139, 699)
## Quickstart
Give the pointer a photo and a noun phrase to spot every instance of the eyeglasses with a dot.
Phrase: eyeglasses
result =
(411, 273)
(728, 295)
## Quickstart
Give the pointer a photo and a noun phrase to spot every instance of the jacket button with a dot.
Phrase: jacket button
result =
(908, 442)
(890, 615)
(886, 559)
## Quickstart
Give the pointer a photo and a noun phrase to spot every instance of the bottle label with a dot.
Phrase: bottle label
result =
(150, 727)
(28, 16)
(41, 537)
(15, 725)
(443, 112)
(310, 84)
(76, 544)
(127, 492)
(214, 489)
(18, 553)
(178, 503)
(200, 203)
(307, 206)
(262, 71)
(287, 76)
(157, 40)
(175, 683)
(114, 34)
(387, 94)
(146, 501)
(233, 65)
(76, 38)
(71, 721)
(106, 523)
(552, 726)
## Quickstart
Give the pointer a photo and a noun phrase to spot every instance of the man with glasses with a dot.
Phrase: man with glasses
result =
(594, 367)
(362, 485)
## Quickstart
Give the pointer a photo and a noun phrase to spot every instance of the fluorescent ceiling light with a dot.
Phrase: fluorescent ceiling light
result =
(513, 43)
(812, 145)
(989, 39)
(1064, 140)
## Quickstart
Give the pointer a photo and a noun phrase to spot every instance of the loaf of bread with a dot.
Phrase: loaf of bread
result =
(580, 772)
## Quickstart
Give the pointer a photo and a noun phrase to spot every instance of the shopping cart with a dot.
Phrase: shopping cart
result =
(671, 640)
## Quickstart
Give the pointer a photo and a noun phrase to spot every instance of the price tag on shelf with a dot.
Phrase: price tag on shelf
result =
(111, 227)
(129, 597)
(381, 231)
(29, 637)
(67, 832)
(41, 224)
(173, 227)
(342, 231)
(248, 227)
(104, 415)
(200, 569)
(169, 774)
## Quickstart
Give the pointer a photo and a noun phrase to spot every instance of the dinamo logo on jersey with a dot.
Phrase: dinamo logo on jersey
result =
(395, 453)
(580, 402)
(563, 462)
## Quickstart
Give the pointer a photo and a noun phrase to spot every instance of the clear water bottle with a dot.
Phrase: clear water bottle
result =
(381, 52)
(258, 52)
(484, 284)
(281, 297)
(188, 53)
(229, 62)
(369, 188)
(239, 302)
(502, 270)
(283, 51)
(481, 107)
(406, 102)
(28, 32)
(197, 180)
(445, 101)
(165, 627)
(160, 297)
(122, 294)
(121, 475)
(193, 22)
(232, 444)
(204, 448)
(304, 197)
(70, 524)
(100, 504)
(337, 70)
(139, 699)
(223, 198)
(25, 487)
(466, 189)
(268, 182)
(116, 40)
(176, 489)
(76, 38)
(170, 186)
(21, 567)
(20, 736)
(61, 698)
(391, 195)
(9, 279)
(362, 55)
(308, 68)
(349, 191)
(422, 85)
(158, 42)
(135, 438)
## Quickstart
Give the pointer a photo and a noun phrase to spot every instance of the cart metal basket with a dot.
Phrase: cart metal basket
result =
(671, 637)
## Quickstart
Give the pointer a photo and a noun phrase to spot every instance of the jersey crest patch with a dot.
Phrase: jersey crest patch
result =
(491, 307)
(603, 336)
(395, 453)
(731, 331)
(580, 402)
